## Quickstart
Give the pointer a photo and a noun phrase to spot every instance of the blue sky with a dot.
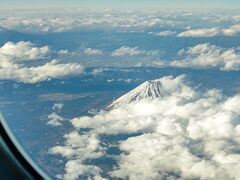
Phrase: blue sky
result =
(235, 4)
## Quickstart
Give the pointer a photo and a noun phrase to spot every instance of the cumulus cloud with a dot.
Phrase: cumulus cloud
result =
(124, 50)
(77, 149)
(57, 106)
(164, 33)
(54, 119)
(205, 32)
(63, 52)
(132, 51)
(90, 51)
(13, 65)
(100, 70)
(198, 131)
(232, 30)
(23, 51)
(207, 55)
(210, 32)
(75, 168)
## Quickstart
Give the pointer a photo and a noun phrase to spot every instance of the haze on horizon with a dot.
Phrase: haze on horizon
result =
(175, 4)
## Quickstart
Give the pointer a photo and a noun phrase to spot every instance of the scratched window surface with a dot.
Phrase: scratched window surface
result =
(124, 90)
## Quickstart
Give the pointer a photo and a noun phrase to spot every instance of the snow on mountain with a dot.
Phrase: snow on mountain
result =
(148, 90)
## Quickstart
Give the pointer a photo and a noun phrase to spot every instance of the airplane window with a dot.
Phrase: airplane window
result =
(138, 90)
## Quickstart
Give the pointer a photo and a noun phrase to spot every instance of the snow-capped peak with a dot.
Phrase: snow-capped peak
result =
(148, 90)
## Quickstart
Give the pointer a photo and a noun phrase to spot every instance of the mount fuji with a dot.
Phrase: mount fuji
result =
(151, 89)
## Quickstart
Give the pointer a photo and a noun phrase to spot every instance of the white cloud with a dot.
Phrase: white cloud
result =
(79, 148)
(207, 55)
(75, 168)
(126, 51)
(210, 32)
(23, 51)
(99, 71)
(90, 51)
(158, 63)
(205, 32)
(232, 30)
(198, 131)
(13, 57)
(63, 52)
(132, 51)
(165, 33)
(49, 70)
(57, 106)
(54, 119)
(68, 20)
(122, 20)
(120, 80)
(39, 24)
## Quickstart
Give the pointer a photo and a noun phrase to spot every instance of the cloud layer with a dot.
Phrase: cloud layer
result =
(125, 21)
(210, 32)
(132, 51)
(207, 56)
(69, 19)
(15, 56)
(198, 131)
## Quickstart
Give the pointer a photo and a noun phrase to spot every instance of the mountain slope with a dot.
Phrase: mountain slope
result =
(147, 90)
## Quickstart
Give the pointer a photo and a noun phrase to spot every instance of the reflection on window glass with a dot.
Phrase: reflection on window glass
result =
(131, 90)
